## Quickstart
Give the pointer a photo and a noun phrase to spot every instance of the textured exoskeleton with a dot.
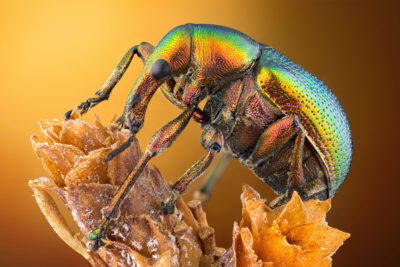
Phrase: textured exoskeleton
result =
(276, 118)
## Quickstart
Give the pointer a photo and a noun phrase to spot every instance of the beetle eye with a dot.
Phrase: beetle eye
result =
(160, 69)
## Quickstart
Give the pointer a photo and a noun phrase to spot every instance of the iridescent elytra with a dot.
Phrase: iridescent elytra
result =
(261, 108)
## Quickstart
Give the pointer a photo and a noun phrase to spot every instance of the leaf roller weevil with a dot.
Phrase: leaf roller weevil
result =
(276, 118)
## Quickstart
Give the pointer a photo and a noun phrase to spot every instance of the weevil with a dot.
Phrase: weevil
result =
(276, 118)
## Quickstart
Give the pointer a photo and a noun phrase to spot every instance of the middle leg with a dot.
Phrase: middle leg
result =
(212, 141)
(182, 183)
(211, 180)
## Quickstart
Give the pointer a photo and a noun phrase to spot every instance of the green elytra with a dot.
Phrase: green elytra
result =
(279, 120)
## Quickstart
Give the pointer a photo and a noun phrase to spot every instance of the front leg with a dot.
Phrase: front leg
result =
(154, 74)
(136, 106)
(143, 51)
(138, 100)
(161, 140)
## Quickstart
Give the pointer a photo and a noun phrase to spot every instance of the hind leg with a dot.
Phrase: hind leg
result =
(272, 139)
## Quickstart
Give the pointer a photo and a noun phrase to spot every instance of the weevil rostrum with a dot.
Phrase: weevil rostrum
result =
(276, 118)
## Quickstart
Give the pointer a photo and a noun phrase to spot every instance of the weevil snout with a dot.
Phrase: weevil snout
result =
(194, 92)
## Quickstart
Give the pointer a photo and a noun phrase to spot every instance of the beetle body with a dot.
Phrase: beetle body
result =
(278, 119)
(253, 85)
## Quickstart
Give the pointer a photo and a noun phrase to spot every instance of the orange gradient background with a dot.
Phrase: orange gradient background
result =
(55, 54)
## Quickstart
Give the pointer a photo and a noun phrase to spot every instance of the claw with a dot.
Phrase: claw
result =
(82, 109)
(98, 235)
(118, 124)
(168, 205)
(119, 149)
(284, 198)
(200, 195)
(67, 114)
(133, 127)
(84, 106)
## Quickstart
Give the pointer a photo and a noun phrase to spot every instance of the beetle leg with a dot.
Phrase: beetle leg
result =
(204, 193)
(182, 183)
(273, 138)
(297, 179)
(139, 106)
(105, 91)
(113, 153)
(212, 141)
(161, 140)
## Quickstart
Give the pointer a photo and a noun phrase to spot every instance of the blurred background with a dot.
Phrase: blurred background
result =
(55, 54)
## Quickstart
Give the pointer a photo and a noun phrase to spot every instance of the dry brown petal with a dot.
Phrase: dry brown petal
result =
(58, 159)
(229, 259)
(54, 217)
(243, 244)
(268, 264)
(187, 215)
(157, 242)
(273, 247)
(139, 232)
(148, 234)
(104, 131)
(299, 233)
(85, 136)
(291, 214)
(123, 164)
(207, 238)
(89, 169)
(315, 258)
(51, 128)
(164, 260)
(198, 212)
(75, 114)
(317, 210)
(189, 250)
(254, 212)
(141, 227)
(119, 254)
(294, 234)
(325, 237)
(219, 252)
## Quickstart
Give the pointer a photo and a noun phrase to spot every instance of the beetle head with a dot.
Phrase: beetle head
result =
(170, 58)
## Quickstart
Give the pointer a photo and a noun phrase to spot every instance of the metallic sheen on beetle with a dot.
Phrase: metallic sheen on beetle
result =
(261, 108)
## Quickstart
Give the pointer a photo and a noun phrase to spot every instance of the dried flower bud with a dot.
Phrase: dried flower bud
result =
(295, 234)
(72, 153)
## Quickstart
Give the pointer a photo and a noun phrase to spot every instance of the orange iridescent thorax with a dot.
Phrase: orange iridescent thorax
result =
(220, 53)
